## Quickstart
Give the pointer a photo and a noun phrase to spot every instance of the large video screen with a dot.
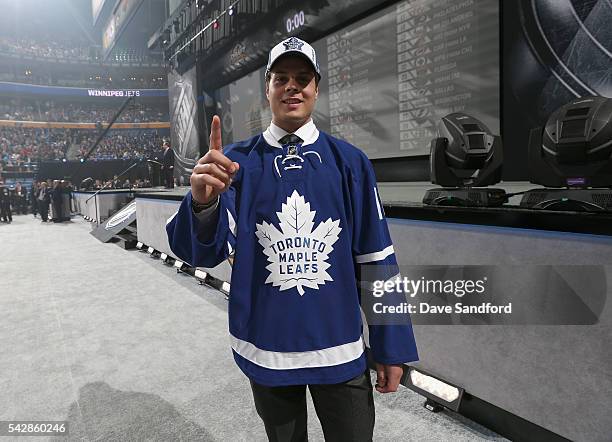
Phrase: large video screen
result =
(388, 78)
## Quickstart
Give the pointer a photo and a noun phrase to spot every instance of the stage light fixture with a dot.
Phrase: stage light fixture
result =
(465, 158)
(216, 24)
(439, 393)
(573, 155)
(230, 11)
(201, 276)
(168, 260)
(178, 264)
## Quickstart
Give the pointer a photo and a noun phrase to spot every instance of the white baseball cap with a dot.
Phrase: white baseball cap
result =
(293, 45)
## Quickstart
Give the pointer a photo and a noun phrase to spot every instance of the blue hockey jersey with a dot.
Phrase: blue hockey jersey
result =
(300, 224)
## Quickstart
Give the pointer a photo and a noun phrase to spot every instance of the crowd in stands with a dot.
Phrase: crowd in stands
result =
(46, 49)
(45, 79)
(77, 113)
(27, 145)
(146, 70)
(21, 145)
(121, 144)
(72, 50)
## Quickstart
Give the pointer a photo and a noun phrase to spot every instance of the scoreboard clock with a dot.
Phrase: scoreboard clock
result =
(294, 21)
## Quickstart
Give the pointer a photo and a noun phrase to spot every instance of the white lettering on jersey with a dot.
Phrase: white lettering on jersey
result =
(298, 252)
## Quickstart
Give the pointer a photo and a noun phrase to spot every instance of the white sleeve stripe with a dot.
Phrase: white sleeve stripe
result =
(232, 223)
(380, 214)
(376, 256)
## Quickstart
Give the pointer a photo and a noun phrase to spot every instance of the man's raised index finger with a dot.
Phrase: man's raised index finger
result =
(215, 142)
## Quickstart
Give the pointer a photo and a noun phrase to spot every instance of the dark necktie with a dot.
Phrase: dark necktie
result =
(290, 142)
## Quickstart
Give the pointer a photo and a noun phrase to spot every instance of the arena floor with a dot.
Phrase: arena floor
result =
(124, 348)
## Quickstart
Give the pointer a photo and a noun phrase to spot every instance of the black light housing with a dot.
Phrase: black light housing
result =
(574, 149)
(572, 157)
(466, 153)
(465, 158)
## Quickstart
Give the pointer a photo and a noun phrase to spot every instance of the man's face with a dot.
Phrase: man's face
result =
(292, 92)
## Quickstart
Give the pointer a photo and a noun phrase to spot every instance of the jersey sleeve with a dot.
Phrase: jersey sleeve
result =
(391, 338)
(204, 248)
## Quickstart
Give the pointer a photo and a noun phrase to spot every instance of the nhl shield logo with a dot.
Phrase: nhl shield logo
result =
(298, 252)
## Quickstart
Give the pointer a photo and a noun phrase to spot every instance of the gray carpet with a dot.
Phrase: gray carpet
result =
(124, 348)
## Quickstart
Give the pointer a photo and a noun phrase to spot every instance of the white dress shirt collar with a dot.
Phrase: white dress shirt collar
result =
(308, 132)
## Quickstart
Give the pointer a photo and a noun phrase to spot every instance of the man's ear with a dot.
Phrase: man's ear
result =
(268, 90)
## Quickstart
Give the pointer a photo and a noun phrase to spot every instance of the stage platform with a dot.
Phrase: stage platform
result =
(101, 206)
(494, 240)
(124, 348)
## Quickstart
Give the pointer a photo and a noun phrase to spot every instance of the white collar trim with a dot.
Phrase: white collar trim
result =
(308, 132)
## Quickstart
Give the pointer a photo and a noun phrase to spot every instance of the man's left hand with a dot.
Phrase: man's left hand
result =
(388, 377)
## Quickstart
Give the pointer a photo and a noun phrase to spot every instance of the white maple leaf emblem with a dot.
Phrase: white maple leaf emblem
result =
(297, 253)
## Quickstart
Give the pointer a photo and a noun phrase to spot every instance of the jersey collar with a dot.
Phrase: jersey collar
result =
(308, 132)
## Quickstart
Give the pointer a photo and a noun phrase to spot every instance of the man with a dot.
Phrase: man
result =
(33, 194)
(5, 203)
(168, 166)
(43, 198)
(298, 211)
(19, 199)
(56, 202)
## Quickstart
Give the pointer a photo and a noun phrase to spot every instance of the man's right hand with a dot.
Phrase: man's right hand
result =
(214, 172)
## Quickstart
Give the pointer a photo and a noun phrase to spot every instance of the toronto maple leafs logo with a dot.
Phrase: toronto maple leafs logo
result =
(298, 253)
(292, 44)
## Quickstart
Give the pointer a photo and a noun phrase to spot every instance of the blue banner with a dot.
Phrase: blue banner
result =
(32, 89)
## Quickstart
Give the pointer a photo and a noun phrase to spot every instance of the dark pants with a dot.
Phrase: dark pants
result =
(346, 410)
(5, 212)
(57, 210)
(169, 178)
(43, 207)
(21, 205)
